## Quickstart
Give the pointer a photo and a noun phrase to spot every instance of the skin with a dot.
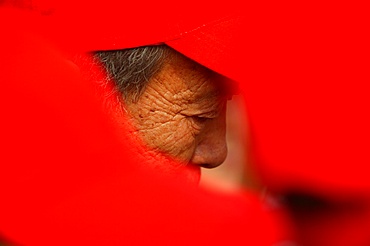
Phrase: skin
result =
(181, 116)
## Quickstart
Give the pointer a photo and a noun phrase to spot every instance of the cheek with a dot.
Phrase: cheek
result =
(176, 138)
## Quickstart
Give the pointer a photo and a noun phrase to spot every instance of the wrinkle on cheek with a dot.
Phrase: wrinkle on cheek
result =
(193, 127)
(174, 138)
(148, 114)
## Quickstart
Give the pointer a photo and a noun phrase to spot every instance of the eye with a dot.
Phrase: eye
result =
(204, 117)
(198, 122)
(200, 119)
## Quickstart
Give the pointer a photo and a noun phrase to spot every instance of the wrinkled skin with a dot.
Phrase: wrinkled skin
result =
(181, 115)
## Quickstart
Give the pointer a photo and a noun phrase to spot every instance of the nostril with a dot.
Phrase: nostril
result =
(210, 154)
(209, 166)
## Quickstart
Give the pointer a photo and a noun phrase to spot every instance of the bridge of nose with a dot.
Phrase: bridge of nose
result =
(211, 150)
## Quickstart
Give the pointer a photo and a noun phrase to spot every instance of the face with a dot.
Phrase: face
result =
(181, 115)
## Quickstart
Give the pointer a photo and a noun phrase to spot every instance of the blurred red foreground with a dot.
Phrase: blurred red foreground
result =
(67, 179)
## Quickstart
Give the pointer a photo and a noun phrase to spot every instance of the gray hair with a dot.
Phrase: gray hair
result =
(131, 69)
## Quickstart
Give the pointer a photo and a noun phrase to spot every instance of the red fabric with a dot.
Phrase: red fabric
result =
(306, 88)
(194, 28)
(339, 224)
(66, 178)
(303, 71)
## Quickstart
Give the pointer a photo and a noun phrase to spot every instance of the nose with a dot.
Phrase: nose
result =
(211, 150)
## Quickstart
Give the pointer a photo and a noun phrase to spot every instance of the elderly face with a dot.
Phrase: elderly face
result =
(181, 115)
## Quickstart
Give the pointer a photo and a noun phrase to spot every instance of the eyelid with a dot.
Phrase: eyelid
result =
(205, 115)
(213, 112)
(208, 115)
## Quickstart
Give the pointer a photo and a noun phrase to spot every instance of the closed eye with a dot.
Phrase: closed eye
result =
(200, 119)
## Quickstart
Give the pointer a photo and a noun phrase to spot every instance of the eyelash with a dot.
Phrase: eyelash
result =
(200, 119)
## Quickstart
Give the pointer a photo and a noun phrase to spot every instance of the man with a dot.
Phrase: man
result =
(176, 106)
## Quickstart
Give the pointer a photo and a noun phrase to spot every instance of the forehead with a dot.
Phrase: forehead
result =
(183, 76)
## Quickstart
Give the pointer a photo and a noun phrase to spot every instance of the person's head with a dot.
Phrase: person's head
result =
(169, 64)
(176, 106)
